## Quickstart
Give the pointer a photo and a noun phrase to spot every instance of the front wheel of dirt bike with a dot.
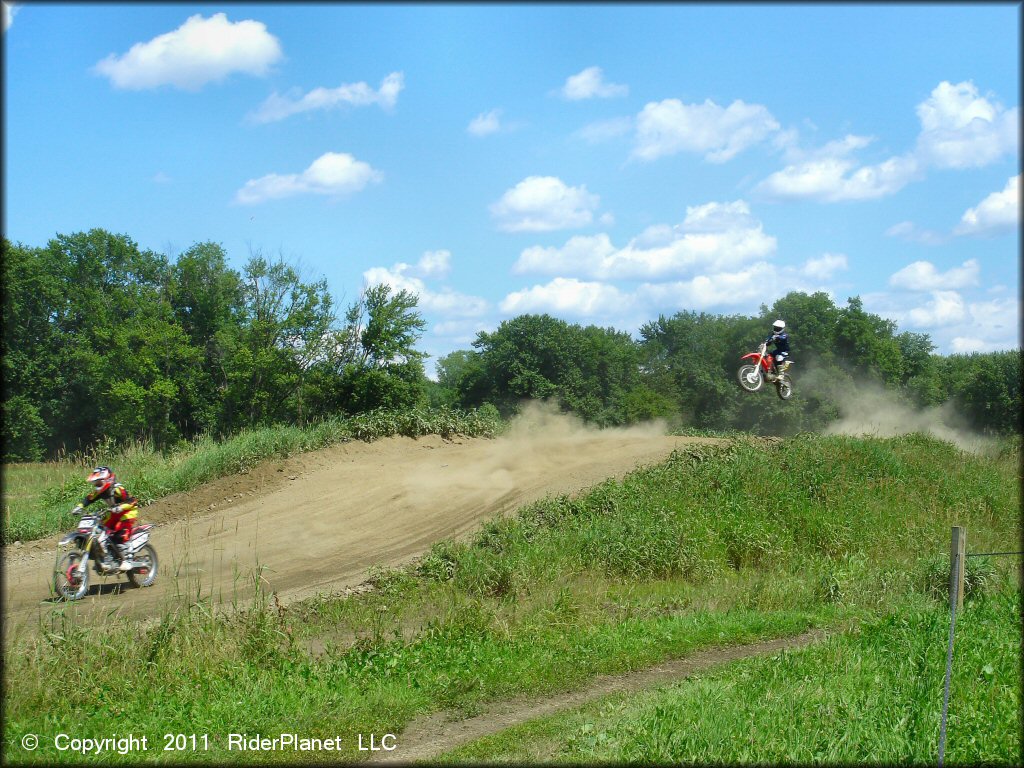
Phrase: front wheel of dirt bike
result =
(750, 377)
(785, 388)
(144, 574)
(67, 583)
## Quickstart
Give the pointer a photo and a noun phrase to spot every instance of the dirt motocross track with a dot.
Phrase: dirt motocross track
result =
(317, 522)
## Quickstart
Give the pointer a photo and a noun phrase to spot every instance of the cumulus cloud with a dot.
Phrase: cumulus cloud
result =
(332, 173)
(566, 295)
(993, 325)
(713, 237)
(954, 323)
(999, 212)
(589, 84)
(719, 133)
(825, 266)
(278, 107)
(542, 204)
(10, 9)
(736, 289)
(923, 276)
(743, 287)
(485, 124)
(410, 277)
(198, 52)
(944, 308)
(830, 174)
(961, 129)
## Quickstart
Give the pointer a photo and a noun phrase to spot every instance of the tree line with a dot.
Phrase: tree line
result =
(103, 339)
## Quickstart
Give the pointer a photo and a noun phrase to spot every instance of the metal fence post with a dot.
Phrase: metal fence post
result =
(957, 560)
(957, 550)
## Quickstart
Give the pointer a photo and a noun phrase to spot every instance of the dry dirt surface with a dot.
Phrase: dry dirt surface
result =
(316, 523)
(429, 736)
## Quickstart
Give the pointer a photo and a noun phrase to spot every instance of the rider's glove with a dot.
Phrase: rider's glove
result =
(77, 510)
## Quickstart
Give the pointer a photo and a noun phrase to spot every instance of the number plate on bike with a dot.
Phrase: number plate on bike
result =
(86, 523)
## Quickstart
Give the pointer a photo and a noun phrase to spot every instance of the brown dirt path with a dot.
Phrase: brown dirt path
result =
(316, 523)
(429, 736)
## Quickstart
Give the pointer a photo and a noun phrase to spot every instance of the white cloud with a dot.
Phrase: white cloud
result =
(834, 178)
(954, 323)
(542, 204)
(566, 295)
(603, 130)
(10, 9)
(998, 320)
(332, 173)
(161, 178)
(486, 123)
(923, 276)
(669, 127)
(968, 344)
(944, 308)
(589, 84)
(713, 237)
(992, 326)
(744, 287)
(907, 230)
(999, 212)
(198, 52)
(825, 266)
(432, 264)
(960, 129)
(278, 107)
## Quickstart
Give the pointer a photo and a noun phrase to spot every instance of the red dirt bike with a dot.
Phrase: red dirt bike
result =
(90, 541)
(753, 375)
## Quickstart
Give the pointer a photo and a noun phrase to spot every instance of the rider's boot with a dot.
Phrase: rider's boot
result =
(126, 559)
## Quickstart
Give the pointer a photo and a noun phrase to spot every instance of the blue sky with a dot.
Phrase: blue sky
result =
(602, 163)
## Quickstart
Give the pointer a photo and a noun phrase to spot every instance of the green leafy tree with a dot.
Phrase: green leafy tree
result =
(284, 328)
(373, 360)
(594, 372)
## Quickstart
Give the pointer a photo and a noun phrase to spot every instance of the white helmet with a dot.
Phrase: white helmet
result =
(779, 326)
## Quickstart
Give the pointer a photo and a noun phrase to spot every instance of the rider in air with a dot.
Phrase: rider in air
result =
(122, 510)
(779, 337)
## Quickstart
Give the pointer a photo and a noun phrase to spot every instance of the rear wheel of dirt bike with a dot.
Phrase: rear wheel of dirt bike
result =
(67, 583)
(144, 574)
(785, 388)
(750, 377)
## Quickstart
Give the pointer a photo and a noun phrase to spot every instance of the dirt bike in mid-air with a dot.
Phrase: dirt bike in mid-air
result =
(90, 541)
(754, 374)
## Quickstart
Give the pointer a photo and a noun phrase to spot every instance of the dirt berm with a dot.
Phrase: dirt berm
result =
(317, 522)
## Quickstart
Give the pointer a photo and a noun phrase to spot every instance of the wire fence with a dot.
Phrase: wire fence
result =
(956, 586)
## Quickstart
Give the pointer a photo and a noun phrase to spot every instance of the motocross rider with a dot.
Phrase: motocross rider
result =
(779, 337)
(122, 510)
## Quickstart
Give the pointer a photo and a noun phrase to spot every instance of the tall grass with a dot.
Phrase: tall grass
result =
(151, 474)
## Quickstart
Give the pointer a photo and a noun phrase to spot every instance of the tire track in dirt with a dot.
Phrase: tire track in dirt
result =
(317, 522)
(431, 735)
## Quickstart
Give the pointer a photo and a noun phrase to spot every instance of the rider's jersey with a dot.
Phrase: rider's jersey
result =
(781, 341)
(121, 505)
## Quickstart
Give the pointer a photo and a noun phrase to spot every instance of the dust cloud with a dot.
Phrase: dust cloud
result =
(539, 440)
(868, 409)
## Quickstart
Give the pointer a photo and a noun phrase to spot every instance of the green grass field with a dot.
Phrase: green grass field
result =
(716, 546)
(871, 695)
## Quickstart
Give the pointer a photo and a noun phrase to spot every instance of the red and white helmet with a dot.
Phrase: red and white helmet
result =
(102, 478)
